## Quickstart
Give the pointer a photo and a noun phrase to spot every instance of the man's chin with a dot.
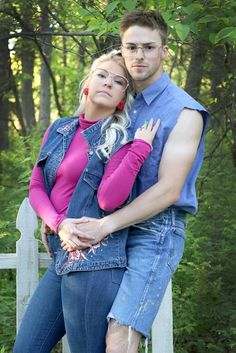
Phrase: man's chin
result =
(138, 76)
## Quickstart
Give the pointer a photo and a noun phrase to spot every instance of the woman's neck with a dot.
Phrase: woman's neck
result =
(96, 112)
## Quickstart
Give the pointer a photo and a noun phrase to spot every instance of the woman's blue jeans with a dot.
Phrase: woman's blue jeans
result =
(77, 303)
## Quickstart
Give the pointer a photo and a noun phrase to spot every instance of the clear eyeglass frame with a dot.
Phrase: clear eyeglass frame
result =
(149, 50)
(115, 78)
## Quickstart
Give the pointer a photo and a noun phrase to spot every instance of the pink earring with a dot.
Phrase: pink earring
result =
(120, 106)
(85, 91)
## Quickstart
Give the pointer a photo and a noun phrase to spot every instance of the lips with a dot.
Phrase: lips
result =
(105, 92)
(138, 65)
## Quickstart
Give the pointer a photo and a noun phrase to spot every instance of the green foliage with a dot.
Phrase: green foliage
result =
(205, 284)
(16, 165)
(7, 310)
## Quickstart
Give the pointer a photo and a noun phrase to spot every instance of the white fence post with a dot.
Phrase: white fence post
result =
(27, 262)
(162, 328)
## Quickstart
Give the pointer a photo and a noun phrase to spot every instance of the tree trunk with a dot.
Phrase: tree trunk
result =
(63, 78)
(195, 69)
(45, 94)
(4, 90)
(27, 55)
(223, 91)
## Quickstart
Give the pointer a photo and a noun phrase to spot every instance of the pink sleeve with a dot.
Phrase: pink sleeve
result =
(39, 199)
(120, 174)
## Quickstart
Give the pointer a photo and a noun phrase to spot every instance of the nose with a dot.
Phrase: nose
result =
(109, 81)
(139, 53)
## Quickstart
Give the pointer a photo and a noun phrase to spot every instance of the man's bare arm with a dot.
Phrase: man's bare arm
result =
(177, 159)
(176, 162)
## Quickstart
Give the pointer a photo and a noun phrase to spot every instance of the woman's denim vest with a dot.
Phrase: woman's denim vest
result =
(110, 253)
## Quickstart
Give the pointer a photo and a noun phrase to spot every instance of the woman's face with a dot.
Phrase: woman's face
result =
(107, 85)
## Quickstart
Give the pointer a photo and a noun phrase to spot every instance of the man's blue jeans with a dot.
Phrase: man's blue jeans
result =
(79, 302)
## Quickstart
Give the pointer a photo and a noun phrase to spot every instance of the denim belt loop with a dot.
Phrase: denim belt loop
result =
(173, 216)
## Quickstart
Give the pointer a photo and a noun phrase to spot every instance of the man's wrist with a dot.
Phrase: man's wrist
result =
(108, 225)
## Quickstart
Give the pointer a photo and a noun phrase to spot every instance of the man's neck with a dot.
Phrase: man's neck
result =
(141, 85)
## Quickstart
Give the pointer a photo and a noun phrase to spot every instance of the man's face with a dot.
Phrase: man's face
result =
(143, 53)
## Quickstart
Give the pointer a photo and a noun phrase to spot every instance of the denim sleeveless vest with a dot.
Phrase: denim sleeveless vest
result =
(110, 252)
(165, 100)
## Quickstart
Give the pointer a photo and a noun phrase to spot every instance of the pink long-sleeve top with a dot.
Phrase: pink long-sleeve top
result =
(115, 187)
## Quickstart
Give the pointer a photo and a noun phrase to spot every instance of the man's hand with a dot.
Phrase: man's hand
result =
(69, 235)
(90, 231)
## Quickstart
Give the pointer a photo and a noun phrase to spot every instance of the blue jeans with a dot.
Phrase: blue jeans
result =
(154, 250)
(77, 303)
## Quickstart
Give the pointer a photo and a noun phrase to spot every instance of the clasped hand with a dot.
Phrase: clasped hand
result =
(80, 233)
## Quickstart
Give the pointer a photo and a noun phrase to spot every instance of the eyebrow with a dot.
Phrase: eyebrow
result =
(147, 43)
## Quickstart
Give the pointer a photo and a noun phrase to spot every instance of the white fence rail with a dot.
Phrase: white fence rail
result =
(27, 261)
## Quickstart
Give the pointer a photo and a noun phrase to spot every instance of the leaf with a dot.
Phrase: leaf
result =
(130, 5)
(193, 8)
(182, 31)
(193, 27)
(111, 7)
(212, 38)
(228, 32)
(173, 47)
(167, 15)
(207, 18)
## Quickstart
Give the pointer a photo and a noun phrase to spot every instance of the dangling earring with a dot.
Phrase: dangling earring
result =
(85, 91)
(120, 106)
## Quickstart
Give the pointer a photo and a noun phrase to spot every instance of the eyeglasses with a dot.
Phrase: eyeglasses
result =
(118, 80)
(148, 50)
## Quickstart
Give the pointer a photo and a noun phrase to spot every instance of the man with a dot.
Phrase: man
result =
(165, 186)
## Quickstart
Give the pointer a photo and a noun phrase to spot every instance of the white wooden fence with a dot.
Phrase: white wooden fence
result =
(27, 261)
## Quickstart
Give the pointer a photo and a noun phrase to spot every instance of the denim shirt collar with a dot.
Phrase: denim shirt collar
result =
(71, 126)
(155, 89)
(94, 128)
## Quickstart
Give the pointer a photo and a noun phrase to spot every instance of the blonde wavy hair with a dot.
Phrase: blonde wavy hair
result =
(117, 123)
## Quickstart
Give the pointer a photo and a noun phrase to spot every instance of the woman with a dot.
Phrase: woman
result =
(81, 162)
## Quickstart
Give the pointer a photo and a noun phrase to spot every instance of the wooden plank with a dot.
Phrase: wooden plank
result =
(162, 328)
(7, 261)
(44, 260)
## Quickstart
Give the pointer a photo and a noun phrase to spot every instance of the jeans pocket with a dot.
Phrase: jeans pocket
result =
(180, 231)
(177, 249)
(117, 275)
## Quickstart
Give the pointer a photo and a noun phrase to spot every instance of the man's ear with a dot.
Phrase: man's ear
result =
(164, 52)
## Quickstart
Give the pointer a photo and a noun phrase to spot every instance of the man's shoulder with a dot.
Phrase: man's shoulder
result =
(179, 96)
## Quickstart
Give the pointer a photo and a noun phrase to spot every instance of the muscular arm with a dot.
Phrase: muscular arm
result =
(177, 159)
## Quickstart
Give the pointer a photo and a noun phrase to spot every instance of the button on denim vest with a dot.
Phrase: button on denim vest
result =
(110, 253)
(165, 100)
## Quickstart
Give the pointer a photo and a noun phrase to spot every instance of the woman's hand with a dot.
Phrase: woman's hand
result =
(44, 237)
(148, 131)
(69, 235)
(90, 232)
